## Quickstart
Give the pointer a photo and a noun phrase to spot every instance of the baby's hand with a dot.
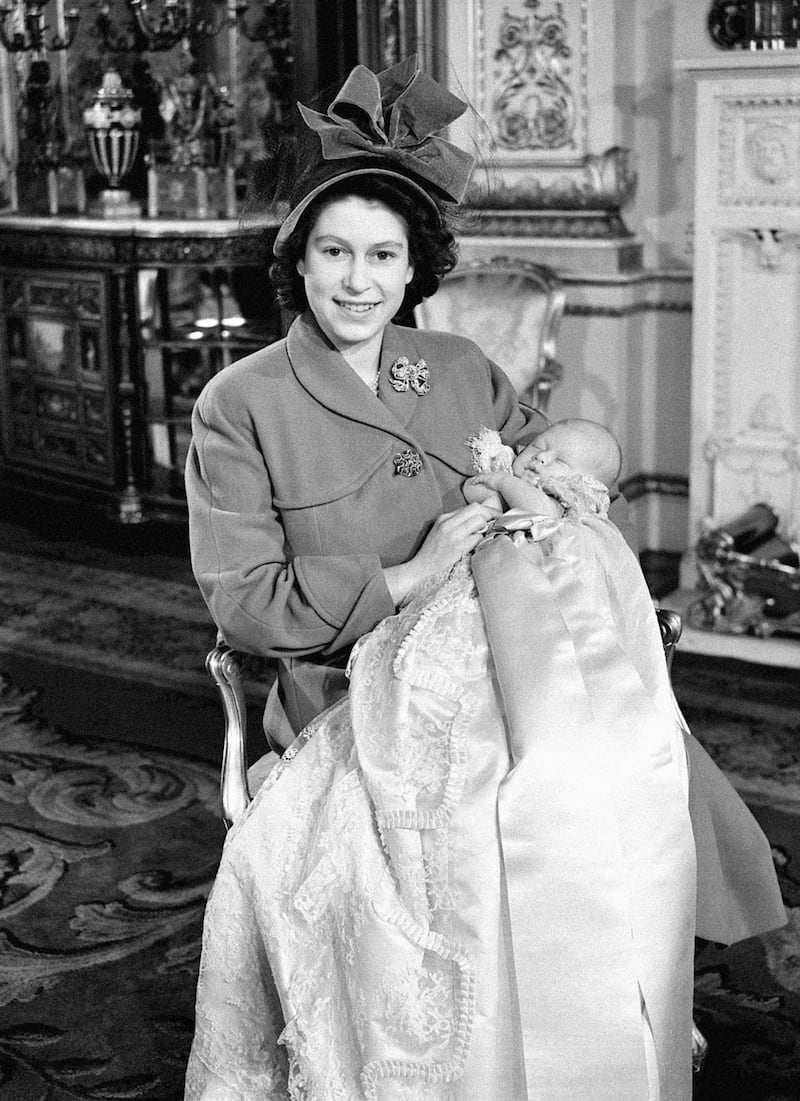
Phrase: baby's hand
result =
(478, 490)
(528, 464)
(511, 492)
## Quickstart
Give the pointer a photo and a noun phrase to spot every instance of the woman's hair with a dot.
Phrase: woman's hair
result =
(431, 244)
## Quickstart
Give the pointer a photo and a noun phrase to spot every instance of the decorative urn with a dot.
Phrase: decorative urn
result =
(112, 124)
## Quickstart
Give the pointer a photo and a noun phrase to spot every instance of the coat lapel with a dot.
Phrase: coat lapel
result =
(324, 372)
(439, 417)
(403, 415)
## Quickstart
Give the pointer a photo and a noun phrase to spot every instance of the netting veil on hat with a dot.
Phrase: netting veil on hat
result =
(384, 124)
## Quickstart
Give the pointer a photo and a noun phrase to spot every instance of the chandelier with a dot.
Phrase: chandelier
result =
(158, 25)
(23, 28)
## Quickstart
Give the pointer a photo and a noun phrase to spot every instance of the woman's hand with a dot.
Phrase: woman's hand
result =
(452, 535)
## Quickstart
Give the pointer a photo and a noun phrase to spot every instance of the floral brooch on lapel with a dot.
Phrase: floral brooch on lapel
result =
(405, 375)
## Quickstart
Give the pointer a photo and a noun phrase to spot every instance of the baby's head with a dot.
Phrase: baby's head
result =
(574, 446)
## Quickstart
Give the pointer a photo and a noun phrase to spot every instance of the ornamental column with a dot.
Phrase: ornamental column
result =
(541, 76)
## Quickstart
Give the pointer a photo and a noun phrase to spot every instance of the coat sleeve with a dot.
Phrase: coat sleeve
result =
(264, 599)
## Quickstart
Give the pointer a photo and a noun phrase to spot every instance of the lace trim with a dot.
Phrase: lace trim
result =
(339, 869)
(579, 494)
(445, 1070)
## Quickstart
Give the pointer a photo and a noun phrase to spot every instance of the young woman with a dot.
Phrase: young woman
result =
(325, 475)
(364, 938)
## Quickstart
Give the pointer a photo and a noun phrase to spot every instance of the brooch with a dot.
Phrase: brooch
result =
(405, 375)
(407, 463)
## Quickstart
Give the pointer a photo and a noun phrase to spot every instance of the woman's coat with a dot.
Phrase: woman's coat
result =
(296, 503)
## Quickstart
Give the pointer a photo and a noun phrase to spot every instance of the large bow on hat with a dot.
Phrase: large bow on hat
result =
(394, 115)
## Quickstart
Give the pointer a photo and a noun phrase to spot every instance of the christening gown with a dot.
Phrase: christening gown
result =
(474, 877)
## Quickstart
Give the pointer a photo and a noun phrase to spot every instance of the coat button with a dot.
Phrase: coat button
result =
(408, 463)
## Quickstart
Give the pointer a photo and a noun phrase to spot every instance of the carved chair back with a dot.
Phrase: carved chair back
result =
(510, 308)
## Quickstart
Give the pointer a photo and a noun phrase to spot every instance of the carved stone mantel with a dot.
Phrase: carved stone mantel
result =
(746, 336)
(745, 421)
(544, 125)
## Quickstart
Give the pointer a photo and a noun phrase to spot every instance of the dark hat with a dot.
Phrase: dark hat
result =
(384, 124)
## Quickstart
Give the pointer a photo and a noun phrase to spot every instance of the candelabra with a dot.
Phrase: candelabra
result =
(755, 24)
(39, 99)
(23, 27)
(158, 25)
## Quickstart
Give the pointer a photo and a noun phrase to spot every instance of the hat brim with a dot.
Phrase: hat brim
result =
(289, 223)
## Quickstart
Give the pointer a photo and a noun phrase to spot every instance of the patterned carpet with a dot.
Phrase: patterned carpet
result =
(107, 854)
(138, 626)
(747, 997)
(110, 836)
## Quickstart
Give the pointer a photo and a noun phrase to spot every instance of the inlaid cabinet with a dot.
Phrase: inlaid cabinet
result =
(107, 335)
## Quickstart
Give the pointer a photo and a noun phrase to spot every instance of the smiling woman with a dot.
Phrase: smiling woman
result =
(426, 232)
(356, 269)
(315, 505)
(377, 926)
(325, 478)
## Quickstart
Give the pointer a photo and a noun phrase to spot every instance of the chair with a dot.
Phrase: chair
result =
(671, 627)
(224, 665)
(512, 309)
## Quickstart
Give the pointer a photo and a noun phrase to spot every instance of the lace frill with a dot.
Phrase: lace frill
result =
(338, 875)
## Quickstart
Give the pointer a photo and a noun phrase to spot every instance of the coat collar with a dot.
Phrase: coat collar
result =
(324, 372)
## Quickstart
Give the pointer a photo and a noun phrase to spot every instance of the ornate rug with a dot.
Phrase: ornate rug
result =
(109, 848)
(133, 625)
(748, 718)
(747, 997)
(139, 626)
(107, 854)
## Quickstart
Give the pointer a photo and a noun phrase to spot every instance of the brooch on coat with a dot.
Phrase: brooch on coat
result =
(405, 375)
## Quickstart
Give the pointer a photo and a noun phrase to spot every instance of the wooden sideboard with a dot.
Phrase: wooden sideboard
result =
(108, 331)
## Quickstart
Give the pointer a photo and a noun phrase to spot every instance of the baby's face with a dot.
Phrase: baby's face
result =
(544, 455)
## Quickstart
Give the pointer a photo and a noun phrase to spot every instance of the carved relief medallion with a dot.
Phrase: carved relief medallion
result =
(534, 106)
(759, 150)
(768, 151)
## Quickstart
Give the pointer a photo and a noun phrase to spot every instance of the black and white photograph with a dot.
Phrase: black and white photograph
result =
(400, 550)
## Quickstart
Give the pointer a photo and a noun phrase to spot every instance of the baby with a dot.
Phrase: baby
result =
(568, 469)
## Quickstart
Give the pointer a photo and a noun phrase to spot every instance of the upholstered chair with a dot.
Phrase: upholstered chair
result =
(512, 309)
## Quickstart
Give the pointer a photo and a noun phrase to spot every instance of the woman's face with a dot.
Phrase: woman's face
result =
(355, 268)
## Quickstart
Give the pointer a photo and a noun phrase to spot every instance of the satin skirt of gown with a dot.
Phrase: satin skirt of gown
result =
(418, 906)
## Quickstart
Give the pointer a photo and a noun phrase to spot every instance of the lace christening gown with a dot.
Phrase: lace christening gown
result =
(472, 879)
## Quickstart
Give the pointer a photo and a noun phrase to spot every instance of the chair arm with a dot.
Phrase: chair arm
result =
(222, 664)
(671, 627)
